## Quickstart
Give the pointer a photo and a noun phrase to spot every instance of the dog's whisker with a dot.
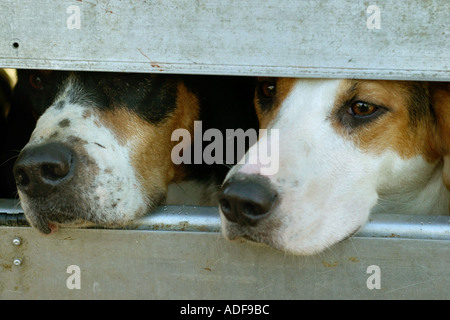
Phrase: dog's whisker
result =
(9, 159)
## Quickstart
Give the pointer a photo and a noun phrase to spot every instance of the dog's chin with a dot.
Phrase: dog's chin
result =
(46, 228)
(258, 240)
(49, 221)
(50, 225)
(234, 232)
(296, 244)
(52, 213)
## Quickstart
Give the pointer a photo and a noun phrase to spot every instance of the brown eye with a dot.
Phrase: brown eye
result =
(36, 82)
(267, 89)
(362, 109)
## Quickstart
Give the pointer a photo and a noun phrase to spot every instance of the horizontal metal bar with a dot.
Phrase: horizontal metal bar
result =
(181, 218)
(299, 38)
(233, 70)
(187, 218)
(206, 219)
(10, 206)
(12, 220)
(406, 227)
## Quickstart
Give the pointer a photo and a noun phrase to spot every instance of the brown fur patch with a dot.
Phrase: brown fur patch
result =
(405, 128)
(151, 144)
(283, 87)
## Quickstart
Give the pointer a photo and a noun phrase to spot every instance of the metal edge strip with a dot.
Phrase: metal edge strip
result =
(207, 219)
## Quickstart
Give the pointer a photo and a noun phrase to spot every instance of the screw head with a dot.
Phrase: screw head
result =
(17, 262)
(17, 241)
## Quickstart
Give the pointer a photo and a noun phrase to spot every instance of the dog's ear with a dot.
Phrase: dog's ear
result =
(440, 95)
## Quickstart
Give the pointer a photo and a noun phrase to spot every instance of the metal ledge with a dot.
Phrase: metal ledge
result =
(206, 219)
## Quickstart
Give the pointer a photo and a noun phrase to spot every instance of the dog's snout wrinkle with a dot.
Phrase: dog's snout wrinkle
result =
(246, 199)
(41, 169)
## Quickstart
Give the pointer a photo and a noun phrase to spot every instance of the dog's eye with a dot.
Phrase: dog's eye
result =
(267, 88)
(362, 109)
(36, 82)
(357, 113)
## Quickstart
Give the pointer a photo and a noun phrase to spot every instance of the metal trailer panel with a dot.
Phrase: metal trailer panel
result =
(178, 253)
(130, 264)
(332, 39)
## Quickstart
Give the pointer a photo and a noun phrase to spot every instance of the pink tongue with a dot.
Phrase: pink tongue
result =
(53, 227)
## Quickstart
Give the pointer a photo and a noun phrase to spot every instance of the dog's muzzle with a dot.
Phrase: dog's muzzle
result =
(43, 174)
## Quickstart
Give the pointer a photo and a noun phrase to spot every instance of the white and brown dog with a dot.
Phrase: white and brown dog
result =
(101, 149)
(346, 148)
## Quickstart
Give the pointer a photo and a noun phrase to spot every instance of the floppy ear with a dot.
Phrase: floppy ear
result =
(441, 103)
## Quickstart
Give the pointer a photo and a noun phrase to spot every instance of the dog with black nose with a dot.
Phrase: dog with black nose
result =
(101, 149)
(340, 149)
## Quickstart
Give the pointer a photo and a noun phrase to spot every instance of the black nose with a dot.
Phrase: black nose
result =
(40, 170)
(245, 199)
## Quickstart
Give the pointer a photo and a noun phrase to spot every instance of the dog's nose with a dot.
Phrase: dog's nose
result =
(245, 199)
(40, 170)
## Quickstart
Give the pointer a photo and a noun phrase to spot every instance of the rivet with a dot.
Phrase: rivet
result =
(17, 241)
(17, 262)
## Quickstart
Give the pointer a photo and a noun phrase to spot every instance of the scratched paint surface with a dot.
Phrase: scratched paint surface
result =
(293, 38)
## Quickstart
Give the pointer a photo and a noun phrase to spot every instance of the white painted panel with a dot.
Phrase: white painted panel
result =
(273, 37)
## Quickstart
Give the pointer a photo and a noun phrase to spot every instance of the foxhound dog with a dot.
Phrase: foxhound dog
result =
(101, 149)
(346, 148)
